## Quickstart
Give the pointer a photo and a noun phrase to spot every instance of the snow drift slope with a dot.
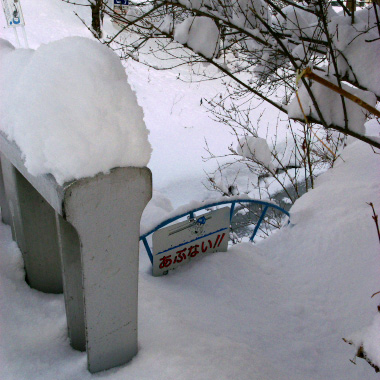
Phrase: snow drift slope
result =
(273, 311)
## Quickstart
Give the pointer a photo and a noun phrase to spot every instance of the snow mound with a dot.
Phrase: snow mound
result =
(256, 148)
(70, 109)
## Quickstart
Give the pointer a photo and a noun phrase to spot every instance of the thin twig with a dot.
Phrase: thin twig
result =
(375, 218)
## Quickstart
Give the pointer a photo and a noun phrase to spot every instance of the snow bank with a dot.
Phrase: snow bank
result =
(5, 47)
(244, 14)
(70, 109)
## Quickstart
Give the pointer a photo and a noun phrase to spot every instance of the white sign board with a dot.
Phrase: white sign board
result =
(121, 3)
(182, 242)
(13, 13)
(120, 6)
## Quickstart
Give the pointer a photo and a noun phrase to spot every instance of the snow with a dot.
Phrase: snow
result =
(244, 13)
(359, 45)
(368, 338)
(255, 148)
(178, 127)
(70, 109)
(288, 154)
(299, 21)
(196, 4)
(6, 47)
(276, 310)
(166, 25)
(372, 128)
(201, 34)
(327, 101)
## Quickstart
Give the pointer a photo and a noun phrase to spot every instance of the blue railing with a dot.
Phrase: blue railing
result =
(233, 202)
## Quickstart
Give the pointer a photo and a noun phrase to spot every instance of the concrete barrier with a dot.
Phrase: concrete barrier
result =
(82, 237)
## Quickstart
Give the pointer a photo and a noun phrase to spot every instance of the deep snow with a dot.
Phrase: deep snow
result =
(274, 310)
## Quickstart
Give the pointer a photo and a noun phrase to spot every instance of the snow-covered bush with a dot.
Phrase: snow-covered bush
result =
(261, 49)
(261, 45)
(270, 166)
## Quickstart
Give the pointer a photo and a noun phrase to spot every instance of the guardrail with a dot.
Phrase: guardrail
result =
(191, 213)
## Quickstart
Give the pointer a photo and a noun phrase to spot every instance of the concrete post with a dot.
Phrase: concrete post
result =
(70, 251)
(105, 212)
(34, 230)
(93, 226)
(9, 178)
(5, 213)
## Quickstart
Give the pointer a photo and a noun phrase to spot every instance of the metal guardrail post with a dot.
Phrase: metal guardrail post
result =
(232, 210)
(258, 223)
(147, 248)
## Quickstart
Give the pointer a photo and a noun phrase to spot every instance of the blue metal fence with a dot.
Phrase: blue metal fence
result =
(266, 205)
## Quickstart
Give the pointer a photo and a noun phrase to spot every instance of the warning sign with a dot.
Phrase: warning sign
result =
(180, 243)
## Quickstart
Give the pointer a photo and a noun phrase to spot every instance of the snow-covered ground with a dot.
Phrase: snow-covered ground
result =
(275, 310)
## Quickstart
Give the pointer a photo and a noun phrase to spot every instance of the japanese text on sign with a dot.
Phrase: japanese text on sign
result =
(188, 252)
(180, 243)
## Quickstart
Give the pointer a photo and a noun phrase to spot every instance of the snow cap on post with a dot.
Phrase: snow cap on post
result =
(70, 109)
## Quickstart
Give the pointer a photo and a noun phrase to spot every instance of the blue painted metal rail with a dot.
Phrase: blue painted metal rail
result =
(233, 202)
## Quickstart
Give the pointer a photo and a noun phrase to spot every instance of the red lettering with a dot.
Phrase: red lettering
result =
(166, 261)
(221, 239)
(180, 255)
(205, 248)
(216, 241)
(193, 250)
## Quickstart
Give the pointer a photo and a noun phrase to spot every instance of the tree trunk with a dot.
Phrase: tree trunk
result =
(97, 17)
(351, 5)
